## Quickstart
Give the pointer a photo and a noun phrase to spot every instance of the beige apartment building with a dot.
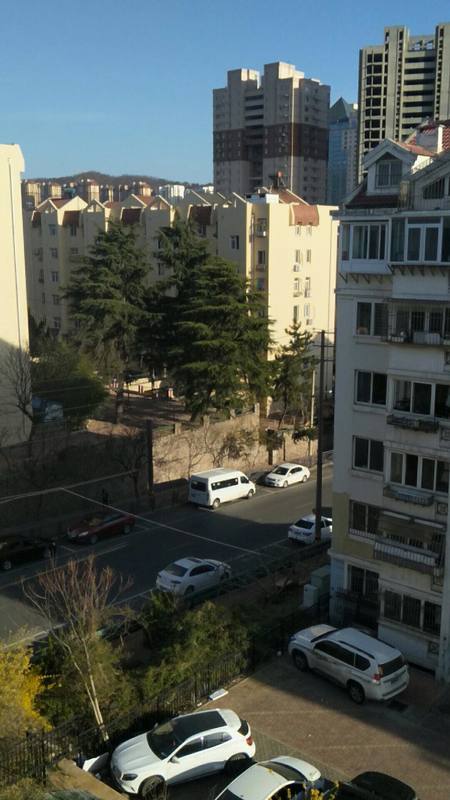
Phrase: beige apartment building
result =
(283, 246)
(277, 123)
(390, 556)
(14, 426)
(402, 82)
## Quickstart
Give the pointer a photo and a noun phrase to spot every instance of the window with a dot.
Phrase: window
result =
(368, 454)
(434, 190)
(57, 323)
(393, 605)
(56, 299)
(43, 298)
(298, 256)
(52, 230)
(55, 276)
(364, 517)
(296, 313)
(234, 242)
(345, 242)
(73, 228)
(214, 739)
(296, 285)
(369, 241)
(260, 284)
(397, 240)
(41, 276)
(74, 251)
(54, 252)
(307, 287)
(388, 173)
(371, 319)
(308, 256)
(411, 611)
(419, 472)
(371, 387)
(431, 617)
(261, 256)
(442, 401)
(362, 581)
(189, 749)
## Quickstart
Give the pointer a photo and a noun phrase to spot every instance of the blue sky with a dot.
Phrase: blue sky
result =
(125, 87)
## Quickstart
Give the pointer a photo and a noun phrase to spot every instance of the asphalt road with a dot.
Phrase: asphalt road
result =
(235, 533)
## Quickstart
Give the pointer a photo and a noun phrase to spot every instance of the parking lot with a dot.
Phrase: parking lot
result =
(302, 714)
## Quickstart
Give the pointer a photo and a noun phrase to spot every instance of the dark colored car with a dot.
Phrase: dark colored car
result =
(371, 786)
(100, 525)
(20, 549)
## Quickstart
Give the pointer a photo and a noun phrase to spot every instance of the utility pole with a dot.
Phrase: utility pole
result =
(149, 448)
(319, 395)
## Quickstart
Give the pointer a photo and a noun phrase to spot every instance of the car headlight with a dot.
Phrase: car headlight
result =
(129, 776)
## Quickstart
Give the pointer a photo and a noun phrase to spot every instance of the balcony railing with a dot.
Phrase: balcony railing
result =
(413, 423)
(407, 495)
(402, 556)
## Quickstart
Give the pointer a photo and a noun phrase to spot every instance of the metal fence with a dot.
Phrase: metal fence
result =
(31, 757)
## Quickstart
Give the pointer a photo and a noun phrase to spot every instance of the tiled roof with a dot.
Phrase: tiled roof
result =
(147, 199)
(416, 149)
(363, 200)
(71, 218)
(304, 214)
(131, 216)
(59, 201)
(286, 196)
(111, 204)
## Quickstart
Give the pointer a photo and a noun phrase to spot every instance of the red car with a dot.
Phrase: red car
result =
(100, 525)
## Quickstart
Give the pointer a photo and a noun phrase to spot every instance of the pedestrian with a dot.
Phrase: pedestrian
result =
(105, 497)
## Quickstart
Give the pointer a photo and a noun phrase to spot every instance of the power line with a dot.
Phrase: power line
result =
(55, 489)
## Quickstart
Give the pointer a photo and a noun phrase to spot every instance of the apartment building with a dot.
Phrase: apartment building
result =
(402, 82)
(283, 246)
(390, 565)
(342, 150)
(14, 426)
(277, 123)
(35, 192)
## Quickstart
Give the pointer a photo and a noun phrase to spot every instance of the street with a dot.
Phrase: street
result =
(237, 531)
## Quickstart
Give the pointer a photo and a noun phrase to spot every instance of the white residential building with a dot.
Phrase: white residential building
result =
(390, 567)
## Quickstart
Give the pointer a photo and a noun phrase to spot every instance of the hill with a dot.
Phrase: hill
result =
(112, 180)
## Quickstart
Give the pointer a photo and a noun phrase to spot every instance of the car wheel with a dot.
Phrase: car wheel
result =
(93, 539)
(300, 661)
(285, 485)
(216, 503)
(356, 692)
(304, 479)
(127, 529)
(153, 789)
(6, 565)
(250, 494)
(236, 763)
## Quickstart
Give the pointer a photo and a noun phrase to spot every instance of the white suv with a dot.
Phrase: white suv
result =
(367, 667)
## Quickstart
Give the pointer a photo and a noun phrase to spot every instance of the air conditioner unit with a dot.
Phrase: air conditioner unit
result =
(310, 595)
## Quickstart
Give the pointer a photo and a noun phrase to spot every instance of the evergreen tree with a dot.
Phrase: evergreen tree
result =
(292, 370)
(106, 295)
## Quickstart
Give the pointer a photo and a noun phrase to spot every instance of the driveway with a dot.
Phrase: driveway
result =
(304, 715)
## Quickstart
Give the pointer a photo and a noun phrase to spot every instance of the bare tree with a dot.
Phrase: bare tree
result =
(129, 450)
(15, 372)
(77, 599)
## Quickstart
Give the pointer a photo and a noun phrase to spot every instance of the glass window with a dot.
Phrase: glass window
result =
(411, 611)
(359, 248)
(358, 516)
(189, 749)
(376, 456)
(380, 320)
(392, 605)
(413, 244)
(361, 453)
(361, 662)
(345, 236)
(431, 244)
(445, 255)
(374, 235)
(379, 384)
(356, 580)
(442, 477)
(431, 617)
(402, 399)
(363, 318)
(421, 398)
(373, 516)
(428, 467)
(396, 467)
(435, 322)
(398, 240)
(363, 387)
(411, 468)
(418, 320)
(442, 401)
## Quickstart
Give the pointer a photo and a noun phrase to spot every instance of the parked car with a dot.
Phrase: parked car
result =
(216, 486)
(304, 530)
(367, 667)
(100, 525)
(20, 549)
(182, 749)
(286, 474)
(278, 779)
(189, 575)
(369, 786)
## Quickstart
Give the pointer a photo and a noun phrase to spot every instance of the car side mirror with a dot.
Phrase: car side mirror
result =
(175, 760)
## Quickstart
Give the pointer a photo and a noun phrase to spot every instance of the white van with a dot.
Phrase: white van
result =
(216, 486)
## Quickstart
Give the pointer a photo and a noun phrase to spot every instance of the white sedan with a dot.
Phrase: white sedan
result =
(286, 474)
(190, 575)
(304, 530)
(281, 777)
(185, 748)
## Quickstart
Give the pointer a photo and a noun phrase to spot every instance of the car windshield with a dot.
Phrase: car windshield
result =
(163, 739)
(176, 569)
(304, 523)
(281, 471)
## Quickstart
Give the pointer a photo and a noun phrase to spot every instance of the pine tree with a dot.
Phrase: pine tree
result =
(106, 295)
(292, 370)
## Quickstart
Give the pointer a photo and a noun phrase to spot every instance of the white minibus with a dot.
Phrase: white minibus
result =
(216, 486)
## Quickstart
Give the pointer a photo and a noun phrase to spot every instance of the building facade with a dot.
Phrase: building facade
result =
(270, 125)
(342, 150)
(283, 246)
(14, 426)
(402, 82)
(390, 560)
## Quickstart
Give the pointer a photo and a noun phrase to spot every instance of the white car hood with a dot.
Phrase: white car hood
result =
(134, 754)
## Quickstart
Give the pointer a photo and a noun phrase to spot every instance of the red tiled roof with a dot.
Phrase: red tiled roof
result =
(111, 204)
(304, 214)
(286, 196)
(201, 215)
(363, 200)
(416, 149)
(131, 216)
(71, 218)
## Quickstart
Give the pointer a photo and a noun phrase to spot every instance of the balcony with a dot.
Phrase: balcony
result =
(407, 495)
(405, 556)
(413, 423)
(418, 323)
(260, 231)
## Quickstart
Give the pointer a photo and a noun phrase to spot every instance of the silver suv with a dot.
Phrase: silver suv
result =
(367, 667)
